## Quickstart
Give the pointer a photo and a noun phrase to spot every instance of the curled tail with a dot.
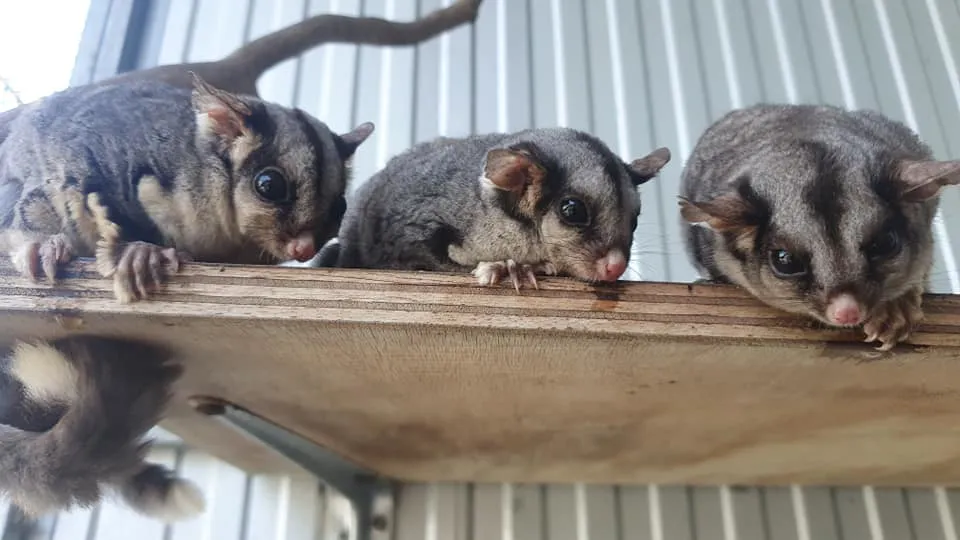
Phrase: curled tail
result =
(111, 393)
(261, 54)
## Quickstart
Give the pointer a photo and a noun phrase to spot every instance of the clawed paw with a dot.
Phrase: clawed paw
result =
(489, 274)
(895, 321)
(35, 258)
(142, 268)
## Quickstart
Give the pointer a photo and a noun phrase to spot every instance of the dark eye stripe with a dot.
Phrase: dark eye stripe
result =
(316, 146)
(313, 138)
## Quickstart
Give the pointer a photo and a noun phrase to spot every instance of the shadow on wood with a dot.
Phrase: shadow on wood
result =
(427, 377)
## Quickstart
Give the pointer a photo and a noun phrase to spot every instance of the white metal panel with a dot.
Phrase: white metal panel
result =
(225, 490)
(671, 512)
(75, 524)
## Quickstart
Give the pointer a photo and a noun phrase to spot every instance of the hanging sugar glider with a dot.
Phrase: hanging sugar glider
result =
(818, 211)
(540, 201)
(145, 175)
(107, 394)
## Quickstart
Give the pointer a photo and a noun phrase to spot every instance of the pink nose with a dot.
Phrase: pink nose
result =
(844, 310)
(302, 247)
(611, 266)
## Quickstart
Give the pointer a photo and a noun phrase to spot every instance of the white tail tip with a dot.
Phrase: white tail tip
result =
(181, 500)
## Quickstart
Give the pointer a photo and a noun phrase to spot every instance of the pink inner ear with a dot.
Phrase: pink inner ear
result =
(227, 123)
(692, 213)
(725, 212)
(508, 171)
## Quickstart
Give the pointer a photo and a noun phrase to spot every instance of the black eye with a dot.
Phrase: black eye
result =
(786, 264)
(272, 186)
(574, 212)
(887, 244)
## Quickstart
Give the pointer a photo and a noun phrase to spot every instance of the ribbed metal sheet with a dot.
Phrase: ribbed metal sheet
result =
(639, 74)
(505, 512)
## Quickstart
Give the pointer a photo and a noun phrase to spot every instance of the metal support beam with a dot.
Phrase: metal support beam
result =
(370, 494)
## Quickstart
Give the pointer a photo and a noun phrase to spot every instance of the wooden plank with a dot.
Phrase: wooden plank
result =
(427, 377)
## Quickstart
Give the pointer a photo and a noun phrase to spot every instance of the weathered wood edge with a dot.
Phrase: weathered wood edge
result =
(654, 310)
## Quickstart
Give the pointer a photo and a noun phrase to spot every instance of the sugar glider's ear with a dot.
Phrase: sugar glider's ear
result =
(517, 174)
(348, 142)
(512, 169)
(219, 112)
(922, 180)
(646, 168)
(738, 210)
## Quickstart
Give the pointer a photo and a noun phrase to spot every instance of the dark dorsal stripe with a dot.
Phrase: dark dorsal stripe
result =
(883, 179)
(823, 195)
(613, 166)
(260, 122)
(310, 130)
(333, 214)
(316, 145)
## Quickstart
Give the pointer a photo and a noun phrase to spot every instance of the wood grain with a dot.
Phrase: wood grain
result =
(427, 377)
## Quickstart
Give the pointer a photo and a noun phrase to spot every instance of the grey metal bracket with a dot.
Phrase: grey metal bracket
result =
(371, 495)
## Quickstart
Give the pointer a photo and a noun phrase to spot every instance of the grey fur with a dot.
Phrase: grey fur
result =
(821, 181)
(19, 412)
(122, 389)
(172, 168)
(428, 209)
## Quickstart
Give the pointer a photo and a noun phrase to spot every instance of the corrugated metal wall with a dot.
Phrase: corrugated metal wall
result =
(639, 74)
(448, 512)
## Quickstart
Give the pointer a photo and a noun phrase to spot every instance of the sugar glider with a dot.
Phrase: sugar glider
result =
(105, 394)
(145, 175)
(539, 201)
(819, 211)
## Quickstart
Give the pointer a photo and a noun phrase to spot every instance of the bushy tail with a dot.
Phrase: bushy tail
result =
(111, 392)
(156, 492)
